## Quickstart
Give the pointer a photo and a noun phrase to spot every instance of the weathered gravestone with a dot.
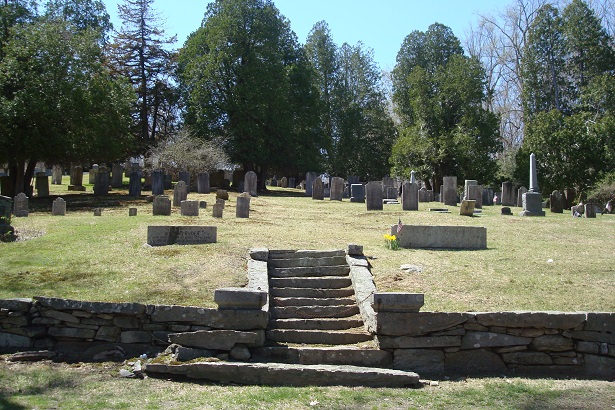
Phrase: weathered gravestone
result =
(117, 175)
(97, 211)
(373, 196)
(441, 237)
(410, 197)
(185, 177)
(508, 194)
(475, 193)
(318, 190)
(7, 233)
(58, 207)
(449, 191)
(157, 182)
(20, 205)
(532, 200)
(291, 183)
(92, 174)
(218, 208)
(423, 195)
(134, 186)
(284, 182)
(467, 207)
(56, 175)
(189, 208)
(202, 183)
(468, 183)
(310, 177)
(590, 211)
(250, 183)
(181, 235)
(132, 211)
(222, 194)
(487, 196)
(242, 209)
(556, 202)
(42, 185)
(180, 193)
(274, 182)
(76, 179)
(162, 205)
(101, 184)
(387, 193)
(520, 192)
(337, 189)
(167, 181)
(357, 193)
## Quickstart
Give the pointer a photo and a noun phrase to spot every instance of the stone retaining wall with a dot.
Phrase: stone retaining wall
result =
(551, 344)
(87, 330)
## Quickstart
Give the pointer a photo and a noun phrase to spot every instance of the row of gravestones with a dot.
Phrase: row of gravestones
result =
(162, 206)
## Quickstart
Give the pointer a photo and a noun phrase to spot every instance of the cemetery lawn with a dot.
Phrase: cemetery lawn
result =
(554, 262)
(97, 386)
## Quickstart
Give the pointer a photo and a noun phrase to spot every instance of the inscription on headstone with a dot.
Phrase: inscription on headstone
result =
(181, 235)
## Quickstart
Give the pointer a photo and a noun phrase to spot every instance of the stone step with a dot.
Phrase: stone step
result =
(331, 282)
(315, 337)
(275, 374)
(310, 292)
(337, 270)
(317, 324)
(339, 355)
(313, 312)
(309, 262)
(298, 254)
(301, 301)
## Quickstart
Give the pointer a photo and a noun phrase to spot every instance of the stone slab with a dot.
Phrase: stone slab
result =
(397, 301)
(92, 307)
(277, 374)
(239, 298)
(441, 237)
(478, 340)
(425, 362)
(218, 339)
(181, 235)
(414, 324)
(218, 319)
(552, 320)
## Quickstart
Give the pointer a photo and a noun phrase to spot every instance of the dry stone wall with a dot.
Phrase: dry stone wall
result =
(500, 343)
(82, 330)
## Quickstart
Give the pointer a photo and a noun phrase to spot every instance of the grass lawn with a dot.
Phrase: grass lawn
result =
(551, 263)
(97, 386)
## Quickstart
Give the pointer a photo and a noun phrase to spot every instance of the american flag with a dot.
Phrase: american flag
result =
(399, 226)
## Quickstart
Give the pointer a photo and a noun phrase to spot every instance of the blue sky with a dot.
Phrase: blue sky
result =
(380, 24)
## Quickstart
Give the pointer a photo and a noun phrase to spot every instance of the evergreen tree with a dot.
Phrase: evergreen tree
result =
(439, 95)
(140, 53)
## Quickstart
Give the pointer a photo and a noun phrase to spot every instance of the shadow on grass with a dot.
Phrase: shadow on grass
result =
(86, 202)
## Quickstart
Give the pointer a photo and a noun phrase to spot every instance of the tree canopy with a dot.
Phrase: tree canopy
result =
(439, 95)
(58, 102)
(245, 79)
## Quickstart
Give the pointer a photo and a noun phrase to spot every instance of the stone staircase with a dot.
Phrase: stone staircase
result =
(315, 334)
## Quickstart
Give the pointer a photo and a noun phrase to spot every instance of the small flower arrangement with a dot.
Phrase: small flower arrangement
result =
(390, 242)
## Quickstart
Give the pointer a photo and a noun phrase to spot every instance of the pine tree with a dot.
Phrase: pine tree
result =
(140, 53)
